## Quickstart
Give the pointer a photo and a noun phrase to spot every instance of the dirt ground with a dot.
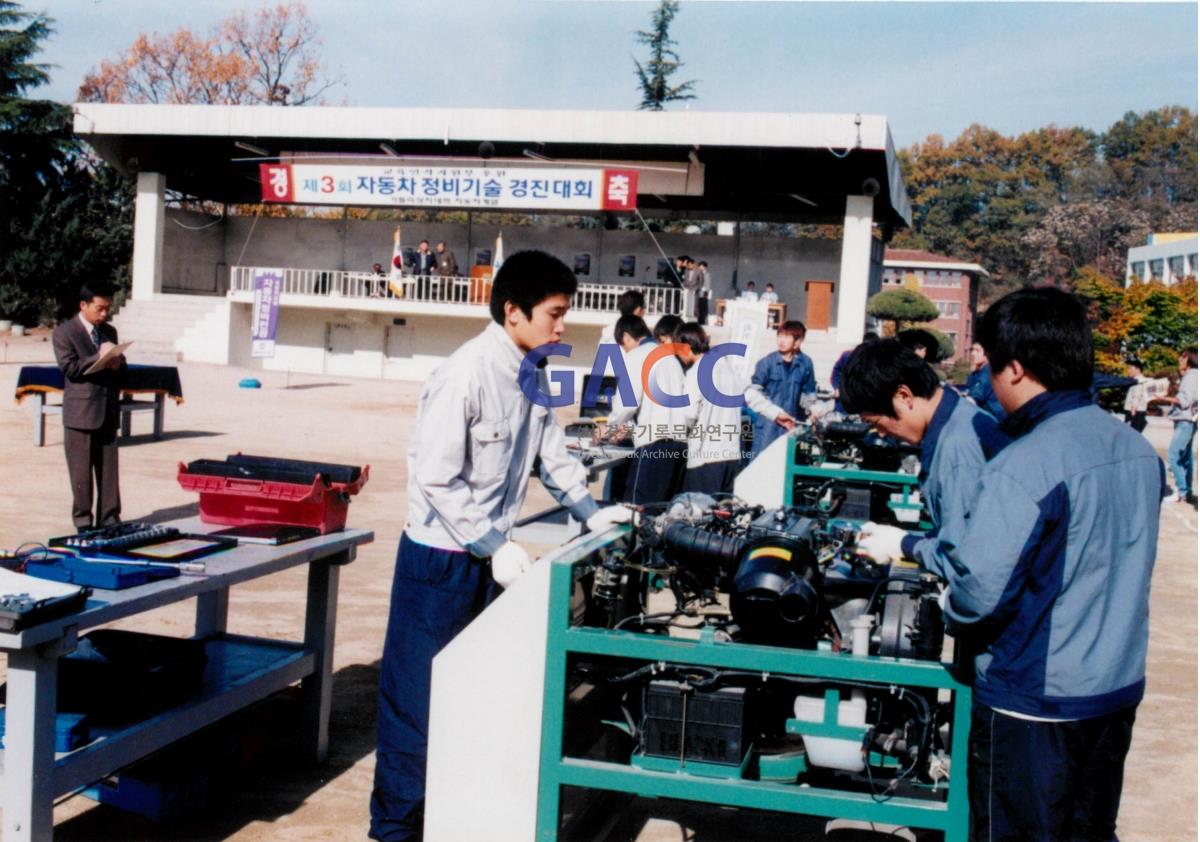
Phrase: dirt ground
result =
(368, 422)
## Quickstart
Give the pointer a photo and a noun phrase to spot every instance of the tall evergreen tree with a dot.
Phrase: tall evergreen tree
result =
(654, 77)
(65, 216)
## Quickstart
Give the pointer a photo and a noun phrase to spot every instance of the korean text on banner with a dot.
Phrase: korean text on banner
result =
(268, 284)
(457, 186)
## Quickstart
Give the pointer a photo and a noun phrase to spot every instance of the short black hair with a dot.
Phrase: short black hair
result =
(528, 278)
(666, 327)
(918, 338)
(1134, 362)
(1190, 355)
(1046, 330)
(693, 335)
(633, 325)
(870, 336)
(749, 284)
(94, 289)
(875, 370)
(630, 300)
(793, 328)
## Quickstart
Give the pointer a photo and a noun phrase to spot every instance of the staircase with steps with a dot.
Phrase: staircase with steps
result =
(157, 326)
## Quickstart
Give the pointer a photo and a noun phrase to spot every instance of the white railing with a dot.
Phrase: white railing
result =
(598, 298)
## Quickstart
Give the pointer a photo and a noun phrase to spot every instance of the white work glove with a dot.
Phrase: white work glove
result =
(508, 563)
(609, 516)
(881, 543)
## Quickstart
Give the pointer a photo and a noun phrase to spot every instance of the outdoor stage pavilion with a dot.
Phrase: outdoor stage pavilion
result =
(193, 272)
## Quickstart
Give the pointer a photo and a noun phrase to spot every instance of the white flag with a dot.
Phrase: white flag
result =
(498, 257)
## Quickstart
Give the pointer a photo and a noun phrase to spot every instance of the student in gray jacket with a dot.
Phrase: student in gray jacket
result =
(1050, 583)
(476, 439)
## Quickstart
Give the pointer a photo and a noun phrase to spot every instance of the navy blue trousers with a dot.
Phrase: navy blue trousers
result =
(435, 595)
(656, 472)
(713, 478)
(1046, 781)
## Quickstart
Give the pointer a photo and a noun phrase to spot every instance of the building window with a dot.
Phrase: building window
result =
(948, 309)
(1177, 268)
(953, 338)
(1192, 263)
(1138, 270)
(943, 278)
(1156, 269)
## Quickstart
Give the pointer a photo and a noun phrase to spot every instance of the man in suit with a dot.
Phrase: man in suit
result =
(425, 268)
(90, 407)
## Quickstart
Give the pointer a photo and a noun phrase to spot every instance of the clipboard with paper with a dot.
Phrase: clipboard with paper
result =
(108, 356)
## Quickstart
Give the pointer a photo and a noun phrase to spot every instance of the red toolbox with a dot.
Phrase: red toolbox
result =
(244, 490)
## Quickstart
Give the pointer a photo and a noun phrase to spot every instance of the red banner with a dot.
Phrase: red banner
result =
(276, 182)
(620, 190)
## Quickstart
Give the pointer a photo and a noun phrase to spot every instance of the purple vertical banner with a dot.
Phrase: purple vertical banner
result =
(268, 284)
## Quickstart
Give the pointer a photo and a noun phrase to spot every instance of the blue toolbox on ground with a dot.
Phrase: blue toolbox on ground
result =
(70, 731)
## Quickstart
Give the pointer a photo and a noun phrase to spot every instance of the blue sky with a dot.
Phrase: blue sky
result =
(930, 67)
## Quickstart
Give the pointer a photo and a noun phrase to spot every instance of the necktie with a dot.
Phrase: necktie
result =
(96, 336)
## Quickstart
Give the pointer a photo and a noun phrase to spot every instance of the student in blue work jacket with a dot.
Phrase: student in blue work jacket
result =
(780, 378)
(469, 459)
(892, 388)
(979, 383)
(1050, 583)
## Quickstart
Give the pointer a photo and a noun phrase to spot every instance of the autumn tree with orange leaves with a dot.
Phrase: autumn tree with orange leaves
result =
(268, 57)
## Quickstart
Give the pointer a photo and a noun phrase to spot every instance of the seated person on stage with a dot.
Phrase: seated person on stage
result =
(780, 379)
(659, 431)
(714, 434)
(769, 296)
(378, 282)
(749, 293)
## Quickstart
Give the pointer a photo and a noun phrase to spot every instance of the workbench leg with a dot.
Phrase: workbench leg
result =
(159, 405)
(29, 745)
(320, 621)
(212, 613)
(125, 422)
(39, 419)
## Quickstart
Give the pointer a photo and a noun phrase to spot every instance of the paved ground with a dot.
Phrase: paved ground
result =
(356, 421)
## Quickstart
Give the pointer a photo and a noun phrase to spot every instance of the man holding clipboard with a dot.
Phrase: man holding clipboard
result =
(86, 350)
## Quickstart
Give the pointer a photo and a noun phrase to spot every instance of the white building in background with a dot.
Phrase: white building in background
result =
(1165, 258)
(193, 289)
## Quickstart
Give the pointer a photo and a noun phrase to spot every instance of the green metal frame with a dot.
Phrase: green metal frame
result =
(948, 815)
(905, 484)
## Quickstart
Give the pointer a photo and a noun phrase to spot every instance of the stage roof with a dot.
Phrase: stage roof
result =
(702, 165)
